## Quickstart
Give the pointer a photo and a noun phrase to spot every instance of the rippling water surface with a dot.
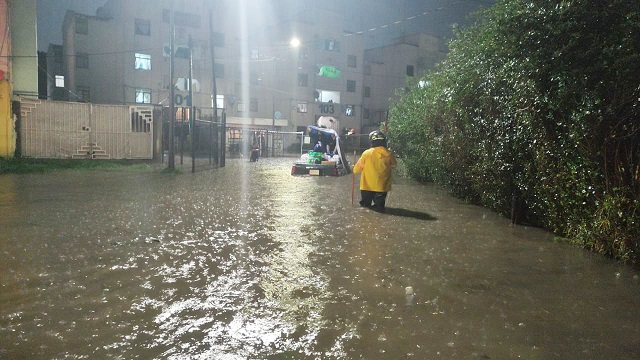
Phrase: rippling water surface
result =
(248, 262)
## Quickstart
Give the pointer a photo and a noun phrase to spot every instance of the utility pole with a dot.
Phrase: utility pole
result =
(214, 102)
(172, 108)
(192, 115)
(273, 107)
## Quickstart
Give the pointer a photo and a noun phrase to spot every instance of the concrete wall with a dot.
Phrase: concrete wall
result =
(24, 74)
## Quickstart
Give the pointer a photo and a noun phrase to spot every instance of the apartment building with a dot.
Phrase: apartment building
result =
(390, 68)
(121, 55)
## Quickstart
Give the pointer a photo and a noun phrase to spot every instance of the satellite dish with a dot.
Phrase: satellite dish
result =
(277, 115)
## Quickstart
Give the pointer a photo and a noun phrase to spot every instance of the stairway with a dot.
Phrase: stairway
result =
(27, 105)
(91, 151)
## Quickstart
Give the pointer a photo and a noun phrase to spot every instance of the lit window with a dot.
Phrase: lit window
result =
(143, 62)
(350, 110)
(327, 96)
(220, 101)
(143, 96)
(59, 81)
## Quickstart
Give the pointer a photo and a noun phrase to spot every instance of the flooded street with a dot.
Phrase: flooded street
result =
(249, 262)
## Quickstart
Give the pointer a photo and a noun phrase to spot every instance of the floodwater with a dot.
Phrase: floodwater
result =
(248, 262)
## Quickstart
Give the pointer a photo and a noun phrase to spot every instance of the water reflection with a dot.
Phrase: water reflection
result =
(247, 262)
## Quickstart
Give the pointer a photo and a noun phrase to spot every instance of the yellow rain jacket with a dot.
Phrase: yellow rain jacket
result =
(375, 164)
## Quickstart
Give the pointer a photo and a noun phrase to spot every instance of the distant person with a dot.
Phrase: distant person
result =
(255, 152)
(375, 164)
(331, 145)
(318, 147)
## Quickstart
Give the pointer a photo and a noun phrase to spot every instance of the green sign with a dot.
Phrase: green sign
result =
(329, 71)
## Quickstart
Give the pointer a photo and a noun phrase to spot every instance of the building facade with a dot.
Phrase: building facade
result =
(121, 55)
(18, 64)
(390, 68)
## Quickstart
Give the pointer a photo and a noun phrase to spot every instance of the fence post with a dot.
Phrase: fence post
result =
(16, 107)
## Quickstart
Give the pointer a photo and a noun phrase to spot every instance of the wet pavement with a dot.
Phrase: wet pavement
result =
(248, 262)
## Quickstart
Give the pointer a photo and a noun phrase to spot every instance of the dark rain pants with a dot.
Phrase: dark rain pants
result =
(373, 200)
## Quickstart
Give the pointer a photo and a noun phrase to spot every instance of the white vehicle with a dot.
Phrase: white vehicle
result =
(325, 161)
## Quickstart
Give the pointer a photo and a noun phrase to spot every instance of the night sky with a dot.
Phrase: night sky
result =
(434, 17)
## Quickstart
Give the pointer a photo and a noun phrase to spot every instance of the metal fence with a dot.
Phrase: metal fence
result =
(70, 130)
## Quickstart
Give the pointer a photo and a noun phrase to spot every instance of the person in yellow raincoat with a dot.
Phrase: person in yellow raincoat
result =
(375, 165)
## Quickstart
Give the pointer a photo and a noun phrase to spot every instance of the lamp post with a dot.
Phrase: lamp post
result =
(172, 108)
(273, 107)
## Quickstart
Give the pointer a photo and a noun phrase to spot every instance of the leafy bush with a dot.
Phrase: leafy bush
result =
(538, 100)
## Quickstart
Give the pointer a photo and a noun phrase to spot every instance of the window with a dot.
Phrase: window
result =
(219, 101)
(352, 61)
(350, 110)
(303, 80)
(367, 91)
(181, 52)
(182, 84)
(423, 63)
(302, 107)
(82, 93)
(56, 53)
(82, 60)
(241, 106)
(219, 70)
(254, 79)
(143, 27)
(327, 96)
(82, 25)
(409, 70)
(365, 113)
(141, 120)
(218, 39)
(367, 69)
(143, 96)
(59, 81)
(143, 62)
(181, 18)
(253, 105)
(332, 45)
(351, 85)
